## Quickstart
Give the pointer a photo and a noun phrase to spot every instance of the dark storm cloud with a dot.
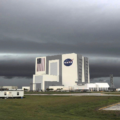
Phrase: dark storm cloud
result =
(104, 66)
(87, 27)
(100, 70)
(21, 46)
(17, 68)
(16, 81)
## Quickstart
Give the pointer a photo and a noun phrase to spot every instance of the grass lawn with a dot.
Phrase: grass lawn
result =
(58, 108)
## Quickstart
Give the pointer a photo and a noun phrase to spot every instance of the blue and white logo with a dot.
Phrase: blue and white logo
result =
(68, 62)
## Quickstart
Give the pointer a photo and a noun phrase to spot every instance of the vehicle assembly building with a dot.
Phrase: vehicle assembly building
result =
(61, 71)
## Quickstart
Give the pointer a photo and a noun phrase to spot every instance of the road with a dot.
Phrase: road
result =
(113, 107)
(77, 94)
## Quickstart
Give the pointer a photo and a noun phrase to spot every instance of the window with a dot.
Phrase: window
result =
(17, 93)
(4, 93)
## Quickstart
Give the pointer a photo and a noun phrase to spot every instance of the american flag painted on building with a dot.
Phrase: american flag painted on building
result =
(41, 64)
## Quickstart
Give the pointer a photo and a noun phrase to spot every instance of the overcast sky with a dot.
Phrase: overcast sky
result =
(32, 28)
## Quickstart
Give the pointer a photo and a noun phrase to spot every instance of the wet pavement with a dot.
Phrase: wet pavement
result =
(77, 94)
(113, 107)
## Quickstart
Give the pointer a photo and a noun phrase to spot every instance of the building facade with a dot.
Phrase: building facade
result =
(95, 87)
(66, 70)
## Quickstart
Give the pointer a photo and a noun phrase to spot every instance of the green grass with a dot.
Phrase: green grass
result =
(58, 108)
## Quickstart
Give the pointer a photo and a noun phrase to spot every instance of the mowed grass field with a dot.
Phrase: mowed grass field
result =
(58, 108)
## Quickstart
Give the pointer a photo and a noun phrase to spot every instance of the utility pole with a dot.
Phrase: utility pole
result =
(111, 81)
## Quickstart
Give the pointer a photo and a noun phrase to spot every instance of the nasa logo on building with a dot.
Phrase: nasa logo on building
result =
(68, 62)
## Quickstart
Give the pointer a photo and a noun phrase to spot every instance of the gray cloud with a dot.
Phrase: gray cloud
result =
(92, 48)
(87, 27)
(19, 66)
(16, 81)
(43, 26)
(104, 70)
(10, 69)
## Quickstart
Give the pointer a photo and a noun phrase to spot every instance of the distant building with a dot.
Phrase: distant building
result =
(118, 89)
(10, 87)
(95, 87)
(66, 70)
(26, 88)
(112, 87)
(111, 81)
(6, 93)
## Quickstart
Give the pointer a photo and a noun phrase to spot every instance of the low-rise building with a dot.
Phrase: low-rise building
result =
(10, 87)
(26, 88)
(87, 86)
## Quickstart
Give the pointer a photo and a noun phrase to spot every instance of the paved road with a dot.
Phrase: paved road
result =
(113, 107)
(76, 94)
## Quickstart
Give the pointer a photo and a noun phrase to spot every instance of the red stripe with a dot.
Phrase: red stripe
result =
(37, 68)
(43, 64)
(41, 67)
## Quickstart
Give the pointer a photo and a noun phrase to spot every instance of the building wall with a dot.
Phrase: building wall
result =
(38, 79)
(54, 67)
(38, 86)
(79, 68)
(86, 69)
(15, 93)
(56, 57)
(88, 72)
(38, 82)
(50, 59)
(83, 70)
(69, 73)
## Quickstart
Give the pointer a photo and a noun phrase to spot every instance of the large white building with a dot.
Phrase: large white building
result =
(61, 71)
